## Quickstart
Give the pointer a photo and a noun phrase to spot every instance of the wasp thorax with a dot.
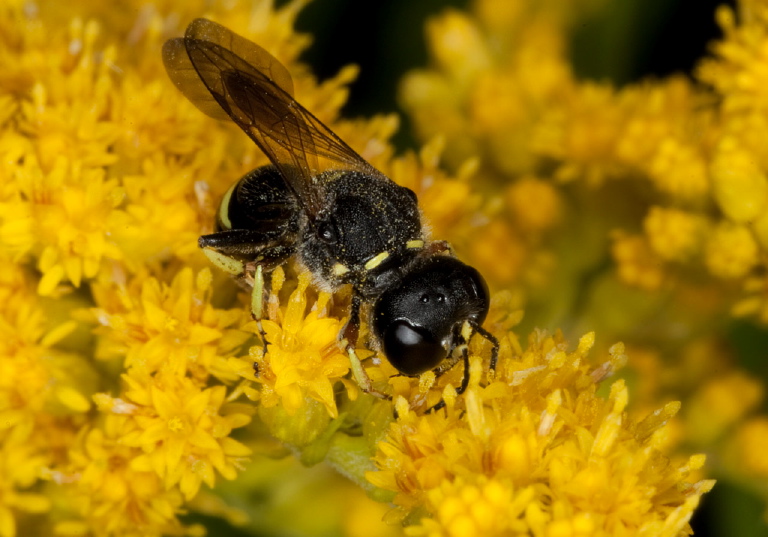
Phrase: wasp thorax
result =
(418, 322)
(361, 231)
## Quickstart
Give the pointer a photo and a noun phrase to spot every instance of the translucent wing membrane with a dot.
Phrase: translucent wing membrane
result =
(228, 77)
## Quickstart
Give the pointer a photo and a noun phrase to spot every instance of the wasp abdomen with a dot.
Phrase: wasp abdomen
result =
(260, 201)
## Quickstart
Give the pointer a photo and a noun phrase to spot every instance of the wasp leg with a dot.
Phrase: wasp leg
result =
(257, 306)
(249, 245)
(447, 364)
(443, 368)
(225, 262)
(349, 335)
(464, 380)
(468, 330)
(438, 247)
(492, 339)
(247, 254)
(459, 340)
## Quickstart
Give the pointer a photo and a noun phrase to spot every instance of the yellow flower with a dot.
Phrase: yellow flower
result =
(304, 359)
(499, 236)
(20, 463)
(63, 216)
(450, 203)
(720, 404)
(107, 176)
(749, 442)
(64, 200)
(171, 328)
(678, 169)
(739, 186)
(161, 215)
(457, 45)
(673, 234)
(583, 133)
(755, 299)
(737, 71)
(183, 431)
(42, 388)
(534, 204)
(537, 451)
(485, 91)
(108, 491)
(102, 168)
(37, 377)
(731, 251)
(638, 264)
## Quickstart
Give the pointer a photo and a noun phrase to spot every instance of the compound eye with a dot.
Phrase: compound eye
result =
(412, 350)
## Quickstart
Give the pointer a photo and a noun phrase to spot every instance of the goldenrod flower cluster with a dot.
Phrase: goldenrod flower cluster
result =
(537, 452)
(135, 383)
(691, 150)
(653, 231)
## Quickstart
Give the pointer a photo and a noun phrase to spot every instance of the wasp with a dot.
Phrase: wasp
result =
(322, 203)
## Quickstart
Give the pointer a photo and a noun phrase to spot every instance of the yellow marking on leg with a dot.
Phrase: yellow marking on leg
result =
(225, 263)
(339, 269)
(361, 377)
(418, 243)
(257, 296)
(376, 261)
(257, 305)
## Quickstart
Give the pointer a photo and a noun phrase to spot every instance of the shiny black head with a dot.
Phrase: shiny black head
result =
(419, 321)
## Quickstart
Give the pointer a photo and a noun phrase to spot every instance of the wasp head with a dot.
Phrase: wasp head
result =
(418, 322)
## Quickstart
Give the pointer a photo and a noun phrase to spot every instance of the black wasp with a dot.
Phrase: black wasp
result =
(320, 201)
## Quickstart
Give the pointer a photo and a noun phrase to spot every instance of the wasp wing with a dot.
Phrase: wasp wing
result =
(229, 77)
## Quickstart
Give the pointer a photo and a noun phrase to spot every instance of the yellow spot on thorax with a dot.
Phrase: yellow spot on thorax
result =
(417, 243)
(339, 269)
(376, 261)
